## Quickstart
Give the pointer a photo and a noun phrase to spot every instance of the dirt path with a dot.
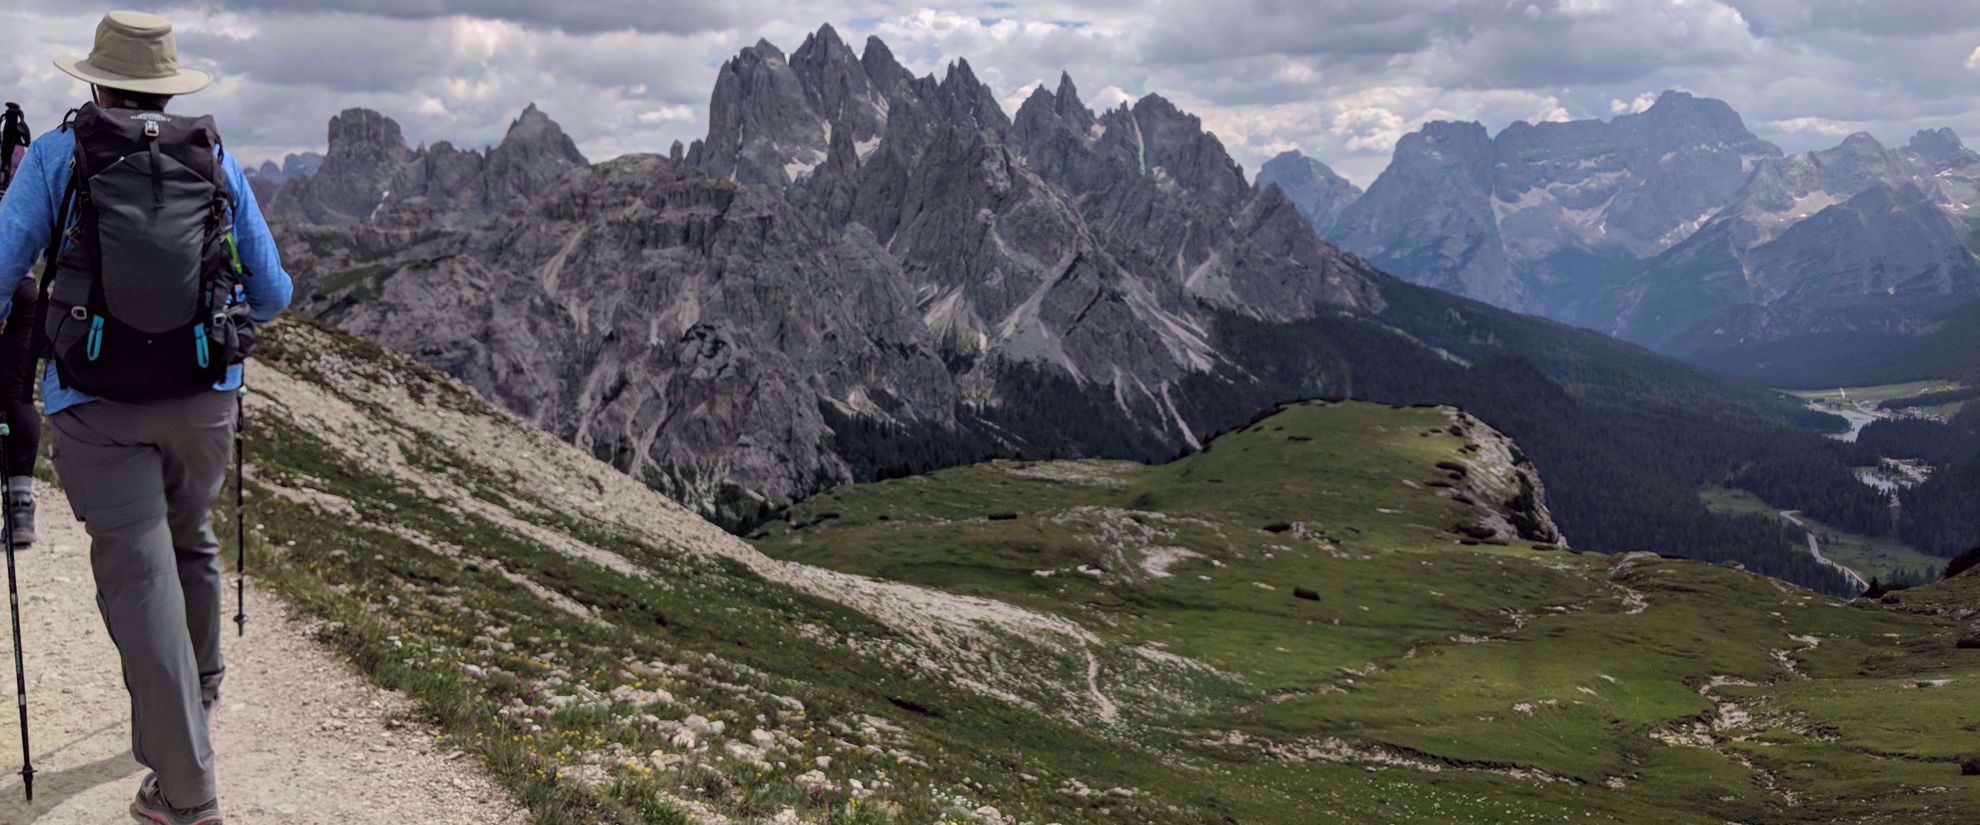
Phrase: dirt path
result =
(1815, 548)
(301, 738)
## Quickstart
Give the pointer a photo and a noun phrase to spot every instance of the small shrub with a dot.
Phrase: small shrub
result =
(1878, 589)
(1303, 593)
(1277, 527)
(1002, 516)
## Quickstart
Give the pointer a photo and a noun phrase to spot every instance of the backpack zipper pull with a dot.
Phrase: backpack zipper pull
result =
(157, 173)
(95, 337)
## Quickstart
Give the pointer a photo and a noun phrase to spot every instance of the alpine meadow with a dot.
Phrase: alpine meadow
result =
(1140, 412)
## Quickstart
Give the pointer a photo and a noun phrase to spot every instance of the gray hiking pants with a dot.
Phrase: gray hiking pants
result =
(142, 478)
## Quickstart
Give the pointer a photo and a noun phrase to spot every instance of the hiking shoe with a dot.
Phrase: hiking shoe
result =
(21, 507)
(150, 806)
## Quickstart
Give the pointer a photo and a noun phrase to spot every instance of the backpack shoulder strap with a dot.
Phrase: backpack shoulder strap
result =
(60, 228)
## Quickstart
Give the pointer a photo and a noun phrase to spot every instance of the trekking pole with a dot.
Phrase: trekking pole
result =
(240, 512)
(14, 605)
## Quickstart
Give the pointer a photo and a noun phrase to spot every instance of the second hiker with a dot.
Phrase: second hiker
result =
(18, 349)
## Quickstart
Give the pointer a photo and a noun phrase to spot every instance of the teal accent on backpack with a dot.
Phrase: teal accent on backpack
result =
(199, 343)
(95, 337)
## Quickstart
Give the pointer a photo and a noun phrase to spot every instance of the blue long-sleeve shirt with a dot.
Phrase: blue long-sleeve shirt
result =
(34, 200)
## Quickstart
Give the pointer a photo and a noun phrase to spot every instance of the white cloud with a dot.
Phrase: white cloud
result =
(1814, 126)
(1110, 97)
(1369, 129)
(1973, 59)
(1016, 98)
(1637, 106)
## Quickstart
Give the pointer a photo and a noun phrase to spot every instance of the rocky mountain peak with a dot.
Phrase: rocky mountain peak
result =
(1692, 116)
(822, 52)
(882, 70)
(534, 153)
(363, 135)
(1174, 142)
(1463, 145)
(827, 40)
(1314, 189)
(1045, 112)
(1067, 93)
(1940, 149)
(1862, 142)
(765, 50)
(535, 127)
(966, 102)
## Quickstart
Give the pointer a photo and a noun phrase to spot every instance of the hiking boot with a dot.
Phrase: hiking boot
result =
(150, 806)
(21, 506)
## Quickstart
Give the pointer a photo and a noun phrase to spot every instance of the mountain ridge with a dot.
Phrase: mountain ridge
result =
(959, 286)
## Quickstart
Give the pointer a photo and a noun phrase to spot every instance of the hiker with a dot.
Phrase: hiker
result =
(146, 321)
(17, 357)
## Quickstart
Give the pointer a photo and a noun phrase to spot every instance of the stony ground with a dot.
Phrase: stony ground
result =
(301, 739)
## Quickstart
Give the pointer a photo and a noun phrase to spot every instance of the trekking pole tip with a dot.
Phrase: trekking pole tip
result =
(27, 781)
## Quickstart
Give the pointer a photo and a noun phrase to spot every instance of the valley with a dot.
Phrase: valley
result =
(1862, 405)
(1330, 613)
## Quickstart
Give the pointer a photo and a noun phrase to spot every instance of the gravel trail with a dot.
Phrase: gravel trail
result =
(302, 738)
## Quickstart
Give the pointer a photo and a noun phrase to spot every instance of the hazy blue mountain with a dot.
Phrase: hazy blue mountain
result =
(1533, 218)
(1319, 193)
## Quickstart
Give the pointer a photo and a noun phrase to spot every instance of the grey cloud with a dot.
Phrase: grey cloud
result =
(1194, 31)
(341, 52)
(1903, 18)
(582, 16)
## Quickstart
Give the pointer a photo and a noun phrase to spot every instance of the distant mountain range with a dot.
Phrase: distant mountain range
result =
(860, 273)
(1674, 227)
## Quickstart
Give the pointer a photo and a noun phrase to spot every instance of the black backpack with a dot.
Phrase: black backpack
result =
(144, 301)
(14, 134)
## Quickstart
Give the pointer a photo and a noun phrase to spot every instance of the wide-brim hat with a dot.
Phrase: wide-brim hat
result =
(135, 52)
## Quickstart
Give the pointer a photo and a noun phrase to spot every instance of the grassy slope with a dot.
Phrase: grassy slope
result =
(432, 533)
(1866, 555)
(1498, 667)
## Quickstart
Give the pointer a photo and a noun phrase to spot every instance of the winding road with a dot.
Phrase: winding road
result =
(1815, 549)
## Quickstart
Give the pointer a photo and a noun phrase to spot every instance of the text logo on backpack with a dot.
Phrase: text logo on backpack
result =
(145, 302)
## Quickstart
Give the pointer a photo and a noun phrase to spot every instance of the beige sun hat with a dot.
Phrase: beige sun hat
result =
(135, 52)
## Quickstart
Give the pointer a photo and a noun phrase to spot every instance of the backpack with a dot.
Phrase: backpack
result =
(144, 301)
(14, 137)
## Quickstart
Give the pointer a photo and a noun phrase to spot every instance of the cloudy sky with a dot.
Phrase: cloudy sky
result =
(1339, 79)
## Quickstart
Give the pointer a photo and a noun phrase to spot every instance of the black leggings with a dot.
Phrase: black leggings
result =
(17, 359)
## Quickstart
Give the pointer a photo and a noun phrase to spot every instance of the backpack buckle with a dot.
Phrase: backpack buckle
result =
(80, 313)
(151, 128)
